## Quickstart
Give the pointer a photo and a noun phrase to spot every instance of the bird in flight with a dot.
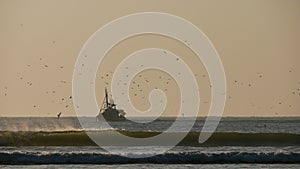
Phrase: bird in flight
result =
(58, 115)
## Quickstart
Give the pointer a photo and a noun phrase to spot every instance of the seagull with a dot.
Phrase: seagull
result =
(58, 115)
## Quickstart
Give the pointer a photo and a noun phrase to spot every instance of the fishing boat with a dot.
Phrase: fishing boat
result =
(108, 110)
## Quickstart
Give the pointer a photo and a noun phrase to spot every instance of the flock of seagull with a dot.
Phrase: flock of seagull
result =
(236, 82)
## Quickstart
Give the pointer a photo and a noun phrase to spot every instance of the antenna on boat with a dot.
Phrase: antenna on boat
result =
(106, 98)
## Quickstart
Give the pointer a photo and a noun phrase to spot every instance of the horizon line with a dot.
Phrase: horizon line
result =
(157, 117)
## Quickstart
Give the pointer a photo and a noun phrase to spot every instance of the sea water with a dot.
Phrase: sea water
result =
(238, 142)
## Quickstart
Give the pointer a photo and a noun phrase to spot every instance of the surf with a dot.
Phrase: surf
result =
(80, 138)
(194, 157)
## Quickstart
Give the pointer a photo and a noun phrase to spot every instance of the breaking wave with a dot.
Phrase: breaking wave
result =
(167, 158)
(80, 138)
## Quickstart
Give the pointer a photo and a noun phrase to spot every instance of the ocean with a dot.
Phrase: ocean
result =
(248, 142)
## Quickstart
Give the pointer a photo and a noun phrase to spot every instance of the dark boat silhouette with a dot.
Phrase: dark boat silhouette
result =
(109, 112)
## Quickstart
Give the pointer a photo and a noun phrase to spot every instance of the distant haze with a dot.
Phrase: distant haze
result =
(258, 42)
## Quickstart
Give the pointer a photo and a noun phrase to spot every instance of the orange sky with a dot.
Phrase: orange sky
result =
(258, 42)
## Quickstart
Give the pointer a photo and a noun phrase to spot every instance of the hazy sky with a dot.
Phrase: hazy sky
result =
(258, 42)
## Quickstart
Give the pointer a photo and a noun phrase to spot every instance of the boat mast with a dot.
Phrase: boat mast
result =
(106, 98)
